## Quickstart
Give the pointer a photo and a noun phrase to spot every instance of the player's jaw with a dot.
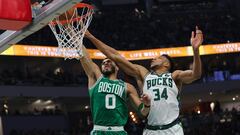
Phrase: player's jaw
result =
(156, 62)
(108, 67)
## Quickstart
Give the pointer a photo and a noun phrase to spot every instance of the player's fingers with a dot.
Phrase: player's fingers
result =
(196, 28)
(143, 95)
(192, 34)
(199, 32)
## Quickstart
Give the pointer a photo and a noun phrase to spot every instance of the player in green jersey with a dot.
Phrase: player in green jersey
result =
(108, 97)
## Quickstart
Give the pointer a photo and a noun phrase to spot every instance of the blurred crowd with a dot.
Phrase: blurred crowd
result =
(34, 112)
(169, 25)
(220, 123)
(132, 27)
(57, 72)
(210, 123)
(39, 132)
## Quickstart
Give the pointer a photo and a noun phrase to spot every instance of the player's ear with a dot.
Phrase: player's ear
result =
(167, 64)
(117, 68)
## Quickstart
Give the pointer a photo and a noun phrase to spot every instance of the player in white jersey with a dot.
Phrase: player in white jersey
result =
(162, 86)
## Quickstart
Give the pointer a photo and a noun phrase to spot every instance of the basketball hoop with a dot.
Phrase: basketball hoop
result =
(69, 29)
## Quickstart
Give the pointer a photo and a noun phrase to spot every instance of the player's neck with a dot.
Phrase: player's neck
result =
(112, 77)
(161, 70)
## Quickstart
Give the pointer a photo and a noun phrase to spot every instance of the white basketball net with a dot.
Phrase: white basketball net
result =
(70, 33)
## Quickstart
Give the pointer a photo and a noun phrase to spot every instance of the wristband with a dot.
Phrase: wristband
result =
(147, 106)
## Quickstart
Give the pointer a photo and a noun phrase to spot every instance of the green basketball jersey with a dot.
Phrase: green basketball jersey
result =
(108, 102)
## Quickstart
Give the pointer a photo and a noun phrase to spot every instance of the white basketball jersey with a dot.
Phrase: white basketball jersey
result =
(164, 98)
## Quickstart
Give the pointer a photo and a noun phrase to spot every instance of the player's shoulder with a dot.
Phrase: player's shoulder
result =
(176, 73)
(129, 84)
(149, 73)
(130, 87)
(122, 82)
(142, 71)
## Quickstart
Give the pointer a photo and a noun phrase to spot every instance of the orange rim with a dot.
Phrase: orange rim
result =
(82, 5)
(79, 5)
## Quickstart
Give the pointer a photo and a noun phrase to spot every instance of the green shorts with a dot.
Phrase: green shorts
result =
(95, 132)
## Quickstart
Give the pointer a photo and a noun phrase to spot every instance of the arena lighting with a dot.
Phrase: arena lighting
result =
(37, 101)
(237, 96)
(136, 10)
(5, 106)
(233, 98)
(86, 107)
(50, 107)
(199, 100)
(210, 93)
(48, 102)
(57, 70)
(131, 113)
(132, 116)
(229, 120)
(198, 111)
(222, 120)
(134, 119)
(47, 51)
(212, 105)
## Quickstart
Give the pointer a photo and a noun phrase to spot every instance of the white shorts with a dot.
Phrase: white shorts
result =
(175, 130)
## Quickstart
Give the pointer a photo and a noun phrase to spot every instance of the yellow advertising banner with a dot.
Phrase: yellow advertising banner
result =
(45, 51)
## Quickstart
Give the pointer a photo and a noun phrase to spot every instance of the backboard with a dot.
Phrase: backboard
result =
(44, 16)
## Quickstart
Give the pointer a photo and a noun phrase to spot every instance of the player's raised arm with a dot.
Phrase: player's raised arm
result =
(91, 69)
(189, 76)
(143, 105)
(131, 69)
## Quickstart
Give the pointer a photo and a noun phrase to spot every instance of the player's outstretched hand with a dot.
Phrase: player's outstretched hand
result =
(196, 38)
(88, 34)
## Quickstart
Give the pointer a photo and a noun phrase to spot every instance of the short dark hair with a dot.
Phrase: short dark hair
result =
(170, 61)
(103, 60)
